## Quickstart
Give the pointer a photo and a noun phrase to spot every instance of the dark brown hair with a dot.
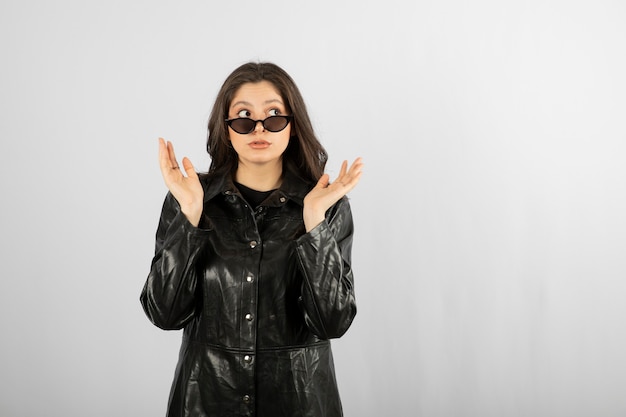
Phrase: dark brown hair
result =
(304, 155)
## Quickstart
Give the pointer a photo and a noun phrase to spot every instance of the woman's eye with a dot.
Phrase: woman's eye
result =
(274, 112)
(243, 113)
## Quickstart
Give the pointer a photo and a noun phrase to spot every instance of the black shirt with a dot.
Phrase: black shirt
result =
(253, 197)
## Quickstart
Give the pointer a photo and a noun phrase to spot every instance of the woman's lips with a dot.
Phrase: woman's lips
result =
(259, 144)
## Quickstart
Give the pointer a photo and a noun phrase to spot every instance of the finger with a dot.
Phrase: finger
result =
(357, 164)
(346, 174)
(352, 177)
(355, 168)
(164, 159)
(349, 185)
(323, 181)
(189, 169)
(344, 168)
(172, 155)
(342, 173)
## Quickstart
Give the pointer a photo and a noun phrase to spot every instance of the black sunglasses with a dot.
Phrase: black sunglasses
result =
(245, 125)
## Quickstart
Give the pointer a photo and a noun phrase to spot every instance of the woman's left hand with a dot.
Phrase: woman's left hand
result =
(326, 193)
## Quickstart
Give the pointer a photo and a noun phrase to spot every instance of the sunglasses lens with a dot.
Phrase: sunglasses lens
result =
(242, 125)
(275, 123)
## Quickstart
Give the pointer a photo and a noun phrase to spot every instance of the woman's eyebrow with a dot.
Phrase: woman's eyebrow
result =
(246, 103)
(240, 103)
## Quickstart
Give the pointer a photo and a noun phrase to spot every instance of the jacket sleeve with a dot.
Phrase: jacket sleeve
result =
(169, 296)
(324, 255)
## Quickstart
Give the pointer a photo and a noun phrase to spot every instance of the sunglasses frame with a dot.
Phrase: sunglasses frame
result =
(230, 121)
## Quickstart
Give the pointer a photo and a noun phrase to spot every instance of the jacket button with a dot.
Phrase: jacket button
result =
(247, 358)
(249, 278)
(246, 399)
(253, 244)
(283, 199)
(249, 317)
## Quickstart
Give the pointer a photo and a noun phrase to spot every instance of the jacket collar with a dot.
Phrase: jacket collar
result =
(293, 187)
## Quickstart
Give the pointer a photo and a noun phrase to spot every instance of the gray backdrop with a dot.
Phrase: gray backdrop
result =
(490, 229)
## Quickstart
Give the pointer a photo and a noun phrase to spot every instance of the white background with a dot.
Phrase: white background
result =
(490, 247)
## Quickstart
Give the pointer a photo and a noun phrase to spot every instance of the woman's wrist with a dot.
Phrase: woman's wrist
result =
(192, 215)
(312, 219)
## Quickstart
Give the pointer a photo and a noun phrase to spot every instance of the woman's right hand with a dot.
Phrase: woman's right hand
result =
(187, 190)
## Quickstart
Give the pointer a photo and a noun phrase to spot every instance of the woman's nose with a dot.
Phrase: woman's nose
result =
(259, 123)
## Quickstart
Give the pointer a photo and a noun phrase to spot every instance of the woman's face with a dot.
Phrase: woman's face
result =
(258, 101)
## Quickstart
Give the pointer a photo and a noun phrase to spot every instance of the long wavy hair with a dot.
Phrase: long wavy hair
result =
(304, 155)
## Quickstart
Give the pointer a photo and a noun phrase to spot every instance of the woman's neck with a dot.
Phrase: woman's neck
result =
(259, 178)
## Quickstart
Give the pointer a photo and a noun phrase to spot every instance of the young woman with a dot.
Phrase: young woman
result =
(253, 259)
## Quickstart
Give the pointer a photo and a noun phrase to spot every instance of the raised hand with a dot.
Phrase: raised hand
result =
(327, 193)
(187, 190)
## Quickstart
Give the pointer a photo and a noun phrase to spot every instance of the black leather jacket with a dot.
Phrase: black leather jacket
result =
(258, 299)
